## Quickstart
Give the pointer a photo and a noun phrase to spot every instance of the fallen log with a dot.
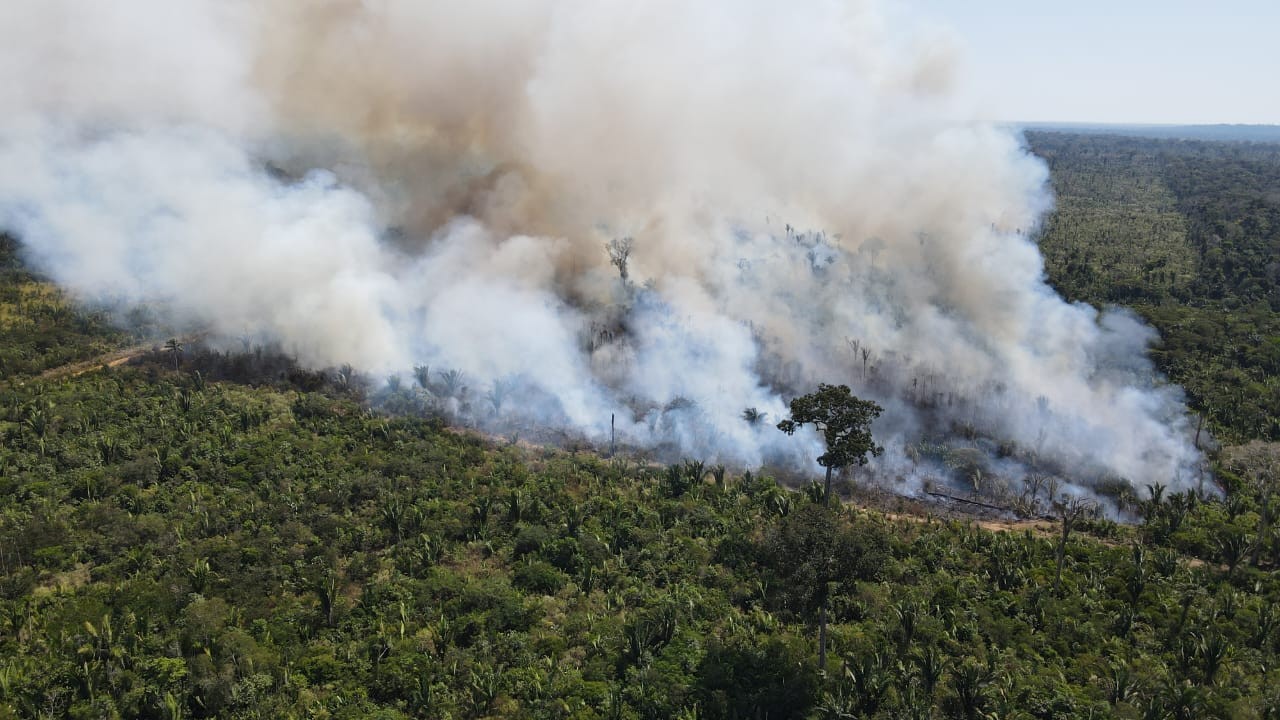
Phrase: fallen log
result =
(997, 508)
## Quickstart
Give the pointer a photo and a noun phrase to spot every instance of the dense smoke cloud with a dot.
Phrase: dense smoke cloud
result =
(410, 182)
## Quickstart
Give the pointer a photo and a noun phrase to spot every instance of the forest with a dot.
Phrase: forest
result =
(199, 534)
(1187, 234)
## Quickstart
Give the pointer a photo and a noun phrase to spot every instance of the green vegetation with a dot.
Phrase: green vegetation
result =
(203, 535)
(41, 328)
(1188, 235)
(177, 548)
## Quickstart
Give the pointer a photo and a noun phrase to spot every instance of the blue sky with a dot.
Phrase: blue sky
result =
(1140, 61)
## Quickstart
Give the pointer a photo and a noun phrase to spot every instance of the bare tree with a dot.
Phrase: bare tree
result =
(1028, 502)
(619, 250)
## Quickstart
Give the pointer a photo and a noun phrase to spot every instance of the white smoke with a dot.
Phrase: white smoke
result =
(449, 174)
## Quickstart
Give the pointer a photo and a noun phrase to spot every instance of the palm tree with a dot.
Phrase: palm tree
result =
(1120, 684)
(969, 683)
(1232, 548)
(173, 348)
(868, 672)
(326, 588)
(497, 395)
(451, 382)
(37, 421)
(422, 374)
(930, 666)
(201, 575)
(1213, 651)
(173, 706)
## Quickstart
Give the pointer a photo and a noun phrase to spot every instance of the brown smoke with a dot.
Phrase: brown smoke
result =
(453, 170)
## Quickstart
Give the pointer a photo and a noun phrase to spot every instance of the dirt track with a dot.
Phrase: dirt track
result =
(111, 359)
(1043, 528)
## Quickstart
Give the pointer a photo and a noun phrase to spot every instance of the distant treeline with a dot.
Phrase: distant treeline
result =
(1216, 133)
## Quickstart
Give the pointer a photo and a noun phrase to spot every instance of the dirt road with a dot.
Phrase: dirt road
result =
(114, 358)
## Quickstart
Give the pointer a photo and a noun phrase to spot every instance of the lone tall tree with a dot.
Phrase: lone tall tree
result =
(844, 421)
(173, 348)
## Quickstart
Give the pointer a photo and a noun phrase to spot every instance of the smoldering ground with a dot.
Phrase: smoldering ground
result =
(405, 183)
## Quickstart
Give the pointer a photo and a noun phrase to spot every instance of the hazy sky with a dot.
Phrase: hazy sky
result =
(1143, 61)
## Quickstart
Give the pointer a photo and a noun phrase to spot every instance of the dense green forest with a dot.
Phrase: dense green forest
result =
(1186, 233)
(202, 535)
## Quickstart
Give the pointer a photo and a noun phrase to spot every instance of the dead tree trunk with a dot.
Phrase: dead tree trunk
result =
(822, 636)
(827, 496)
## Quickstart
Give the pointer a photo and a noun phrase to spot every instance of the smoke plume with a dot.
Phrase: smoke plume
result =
(396, 183)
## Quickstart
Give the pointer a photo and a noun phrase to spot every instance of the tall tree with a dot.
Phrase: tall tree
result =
(1071, 511)
(173, 348)
(810, 552)
(845, 423)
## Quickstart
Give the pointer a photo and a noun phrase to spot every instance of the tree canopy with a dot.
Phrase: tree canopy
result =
(844, 421)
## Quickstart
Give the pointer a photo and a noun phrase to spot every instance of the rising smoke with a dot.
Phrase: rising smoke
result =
(394, 183)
